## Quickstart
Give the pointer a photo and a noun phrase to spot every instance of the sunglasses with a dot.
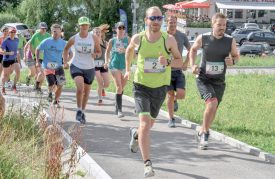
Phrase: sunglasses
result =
(121, 28)
(153, 18)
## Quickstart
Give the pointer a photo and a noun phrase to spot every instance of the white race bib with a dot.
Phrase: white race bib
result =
(99, 63)
(214, 68)
(52, 65)
(152, 65)
(84, 48)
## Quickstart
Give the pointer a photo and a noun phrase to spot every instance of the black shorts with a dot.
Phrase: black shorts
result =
(8, 63)
(1, 58)
(101, 69)
(87, 74)
(56, 79)
(148, 101)
(177, 80)
(210, 90)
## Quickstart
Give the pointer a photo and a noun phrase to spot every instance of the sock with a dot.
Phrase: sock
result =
(147, 161)
(119, 102)
(37, 84)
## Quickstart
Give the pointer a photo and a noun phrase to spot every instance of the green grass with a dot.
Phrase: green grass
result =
(246, 112)
(257, 61)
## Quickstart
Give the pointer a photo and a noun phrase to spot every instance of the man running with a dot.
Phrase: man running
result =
(151, 78)
(9, 48)
(36, 39)
(177, 79)
(52, 63)
(87, 47)
(219, 51)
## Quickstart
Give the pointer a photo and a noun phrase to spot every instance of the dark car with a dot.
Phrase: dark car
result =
(230, 27)
(262, 36)
(253, 49)
(241, 34)
(272, 28)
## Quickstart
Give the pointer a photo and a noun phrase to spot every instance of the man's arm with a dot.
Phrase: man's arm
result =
(129, 54)
(233, 56)
(65, 54)
(193, 54)
(188, 47)
(173, 47)
(107, 52)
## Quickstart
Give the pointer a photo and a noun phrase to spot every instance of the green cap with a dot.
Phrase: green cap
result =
(83, 20)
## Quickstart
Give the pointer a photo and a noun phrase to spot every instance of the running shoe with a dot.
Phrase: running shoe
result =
(148, 169)
(134, 140)
(172, 123)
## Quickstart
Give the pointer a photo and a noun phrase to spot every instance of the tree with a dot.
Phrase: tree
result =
(6, 3)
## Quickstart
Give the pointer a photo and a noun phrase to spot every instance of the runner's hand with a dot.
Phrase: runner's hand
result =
(162, 60)
(127, 75)
(105, 65)
(195, 69)
(228, 60)
(66, 66)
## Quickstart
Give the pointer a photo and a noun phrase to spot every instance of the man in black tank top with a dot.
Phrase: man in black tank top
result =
(219, 51)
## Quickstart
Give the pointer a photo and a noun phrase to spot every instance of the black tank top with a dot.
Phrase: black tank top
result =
(215, 50)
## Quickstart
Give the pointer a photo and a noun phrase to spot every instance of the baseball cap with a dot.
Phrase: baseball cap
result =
(12, 30)
(83, 20)
(42, 25)
(119, 24)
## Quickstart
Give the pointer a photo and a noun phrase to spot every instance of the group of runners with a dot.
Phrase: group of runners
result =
(158, 74)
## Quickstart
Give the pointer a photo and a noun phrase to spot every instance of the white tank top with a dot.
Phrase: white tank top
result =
(84, 47)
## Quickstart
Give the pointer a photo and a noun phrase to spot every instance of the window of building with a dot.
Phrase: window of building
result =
(261, 13)
(238, 14)
(229, 13)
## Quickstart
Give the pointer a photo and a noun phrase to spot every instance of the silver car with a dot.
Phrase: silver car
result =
(21, 28)
(241, 34)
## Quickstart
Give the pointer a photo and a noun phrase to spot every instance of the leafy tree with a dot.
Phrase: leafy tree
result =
(7, 18)
(4, 4)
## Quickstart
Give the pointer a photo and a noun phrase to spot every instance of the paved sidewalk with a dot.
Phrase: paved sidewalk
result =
(174, 151)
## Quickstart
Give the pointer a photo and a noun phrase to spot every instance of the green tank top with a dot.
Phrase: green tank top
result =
(149, 72)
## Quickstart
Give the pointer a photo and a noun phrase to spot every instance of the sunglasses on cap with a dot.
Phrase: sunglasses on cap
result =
(153, 18)
(121, 28)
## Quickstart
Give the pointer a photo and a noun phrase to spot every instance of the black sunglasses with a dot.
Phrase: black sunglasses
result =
(153, 18)
(121, 28)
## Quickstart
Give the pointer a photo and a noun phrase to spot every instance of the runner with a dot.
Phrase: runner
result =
(22, 43)
(9, 48)
(151, 78)
(102, 75)
(219, 51)
(87, 47)
(36, 39)
(52, 63)
(5, 34)
(177, 79)
(117, 46)
(30, 63)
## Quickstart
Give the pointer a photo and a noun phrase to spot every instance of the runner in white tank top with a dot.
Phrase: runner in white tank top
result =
(87, 47)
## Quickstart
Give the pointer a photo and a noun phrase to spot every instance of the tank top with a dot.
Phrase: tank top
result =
(117, 58)
(84, 47)
(99, 62)
(149, 71)
(215, 50)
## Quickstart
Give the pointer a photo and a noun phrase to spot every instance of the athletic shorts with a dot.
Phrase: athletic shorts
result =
(8, 63)
(209, 90)
(177, 80)
(56, 78)
(30, 62)
(87, 74)
(1, 58)
(101, 69)
(148, 101)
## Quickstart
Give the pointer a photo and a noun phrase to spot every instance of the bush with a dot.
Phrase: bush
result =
(199, 24)
(8, 18)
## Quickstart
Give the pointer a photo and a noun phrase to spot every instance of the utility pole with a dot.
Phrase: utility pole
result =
(134, 6)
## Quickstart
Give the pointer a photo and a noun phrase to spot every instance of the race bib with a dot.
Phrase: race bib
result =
(99, 63)
(152, 65)
(52, 65)
(84, 48)
(214, 68)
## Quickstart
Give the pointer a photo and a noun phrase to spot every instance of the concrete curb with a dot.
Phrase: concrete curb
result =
(220, 137)
(86, 161)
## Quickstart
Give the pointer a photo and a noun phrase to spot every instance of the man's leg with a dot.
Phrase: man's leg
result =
(5, 76)
(209, 114)
(170, 107)
(16, 68)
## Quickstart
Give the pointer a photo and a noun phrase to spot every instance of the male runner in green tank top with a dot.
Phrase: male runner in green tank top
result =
(152, 76)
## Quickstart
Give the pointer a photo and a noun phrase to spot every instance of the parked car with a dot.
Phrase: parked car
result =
(262, 36)
(230, 27)
(272, 28)
(253, 49)
(21, 28)
(241, 34)
(250, 25)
